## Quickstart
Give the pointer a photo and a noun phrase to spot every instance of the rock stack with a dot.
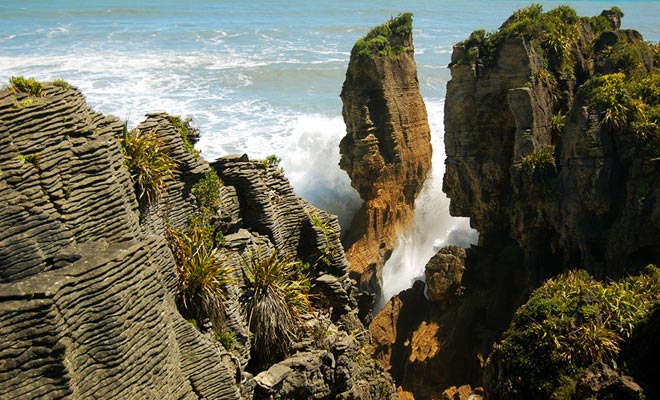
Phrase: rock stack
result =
(386, 151)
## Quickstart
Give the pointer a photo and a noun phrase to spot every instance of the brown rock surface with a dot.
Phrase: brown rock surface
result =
(591, 203)
(444, 272)
(386, 151)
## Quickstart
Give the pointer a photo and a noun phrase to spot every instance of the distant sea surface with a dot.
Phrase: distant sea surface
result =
(261, 77)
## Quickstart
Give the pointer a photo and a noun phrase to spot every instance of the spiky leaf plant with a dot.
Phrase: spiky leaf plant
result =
(202, 277)
(277, 298)
(149, 164)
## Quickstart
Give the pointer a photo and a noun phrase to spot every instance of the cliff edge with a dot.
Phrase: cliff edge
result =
(553, 151)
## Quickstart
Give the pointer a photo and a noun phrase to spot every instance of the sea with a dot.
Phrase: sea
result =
(263, 77)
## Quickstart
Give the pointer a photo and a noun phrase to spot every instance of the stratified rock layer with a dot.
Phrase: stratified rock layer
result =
(544, 196)
(386, 151)
(590, 205)
(88, 283)
(87, 300)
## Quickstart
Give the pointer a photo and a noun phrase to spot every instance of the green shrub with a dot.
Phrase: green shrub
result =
(629, 106)
(609, 95)
(30, 86)
(62, 84)
(379, 39)
(539, 159)
(202, 277)
(207, 192)
(29, 102)
(225, 337)
(277, 298)
(34, 159)
(553, 34)
(202, 223)
(557, 123)
(272, 161)
(148, 164)
(189, 134)
(569, 323)
(599, 24)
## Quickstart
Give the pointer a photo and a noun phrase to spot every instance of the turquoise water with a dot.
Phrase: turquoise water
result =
(260, 77)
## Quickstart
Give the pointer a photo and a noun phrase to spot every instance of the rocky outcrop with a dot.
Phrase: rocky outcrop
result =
(386, 151)
(568, 194)
(444, 272)
(547, 181)
(88, 283)
(87, 299)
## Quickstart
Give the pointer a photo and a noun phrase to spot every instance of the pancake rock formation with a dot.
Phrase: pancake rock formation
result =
(91, 288)
(386, 151)
(553, 151)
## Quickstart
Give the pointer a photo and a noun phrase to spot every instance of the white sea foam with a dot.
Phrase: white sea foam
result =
(311, 161)
(433, 227)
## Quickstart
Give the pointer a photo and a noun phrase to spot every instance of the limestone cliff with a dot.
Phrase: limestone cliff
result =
(553, 152)
(89, 285)
(531, 157)
(386, 151)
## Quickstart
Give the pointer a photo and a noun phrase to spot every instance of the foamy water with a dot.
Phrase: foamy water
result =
(262, 77)
(433, 227)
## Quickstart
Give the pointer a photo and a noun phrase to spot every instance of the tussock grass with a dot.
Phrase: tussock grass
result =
(30, 86)
(148, 163)
(277, 299)
(202, 277)
(568, 324)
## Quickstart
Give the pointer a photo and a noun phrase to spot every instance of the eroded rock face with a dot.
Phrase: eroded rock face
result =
(386, 151)
(543, 197)
(584, 206)
(88, 291)
(88, 284)
(444, 272)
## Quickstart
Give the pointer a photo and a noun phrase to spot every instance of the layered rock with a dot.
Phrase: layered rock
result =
(568, 195)
(88, 284)
(87, 299)
(386, 151)
(544, 195)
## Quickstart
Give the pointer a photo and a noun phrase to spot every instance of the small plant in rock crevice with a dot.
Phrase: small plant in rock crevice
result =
(148, 163)
(207, 192)
(202, 277)
(189, 134)
(29, 86)
(272, 161)
(277, 298)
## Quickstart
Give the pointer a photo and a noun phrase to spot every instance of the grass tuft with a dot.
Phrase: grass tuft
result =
(568, 324)
(148, 163)
(202, 277)
(277, 299)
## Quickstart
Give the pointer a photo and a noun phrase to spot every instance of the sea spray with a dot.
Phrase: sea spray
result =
(311, 162)
(433, 226)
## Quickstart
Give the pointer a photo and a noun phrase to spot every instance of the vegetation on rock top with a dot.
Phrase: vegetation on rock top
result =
(569, 324)
(630, 104)
(29, 86)
(189, 134)
(386, 39)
